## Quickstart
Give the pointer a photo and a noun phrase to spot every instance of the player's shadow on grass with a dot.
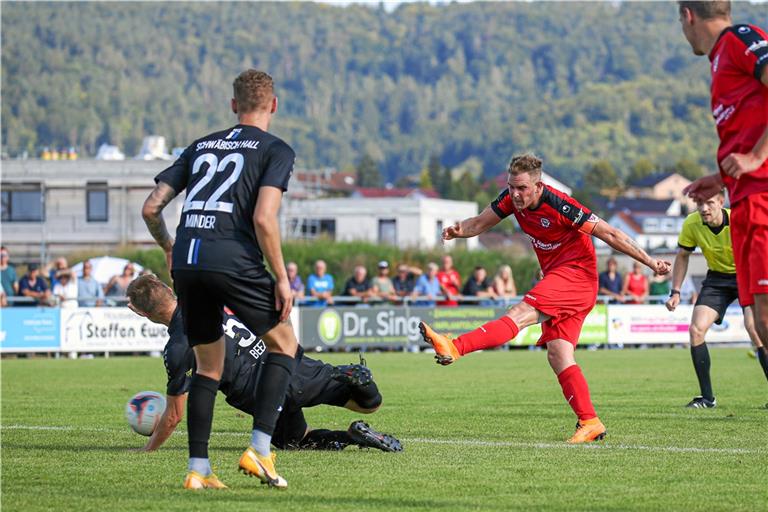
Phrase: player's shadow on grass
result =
(343, 503)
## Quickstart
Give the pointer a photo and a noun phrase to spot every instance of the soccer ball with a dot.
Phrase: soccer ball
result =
(144, 410)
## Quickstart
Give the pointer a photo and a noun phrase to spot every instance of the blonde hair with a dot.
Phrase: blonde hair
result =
(509, 286)
(527, 163)
(253, 90)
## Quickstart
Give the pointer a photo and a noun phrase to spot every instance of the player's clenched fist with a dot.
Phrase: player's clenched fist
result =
(453, 231)
(661, 267)
(673, 302)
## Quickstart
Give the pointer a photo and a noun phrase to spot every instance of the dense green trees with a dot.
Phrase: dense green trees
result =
(576, 82)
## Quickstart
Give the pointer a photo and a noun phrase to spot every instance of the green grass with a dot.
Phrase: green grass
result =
(484, 434)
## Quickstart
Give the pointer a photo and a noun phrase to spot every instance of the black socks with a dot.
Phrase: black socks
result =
(273, 383)
(701, 363)
(202, 397)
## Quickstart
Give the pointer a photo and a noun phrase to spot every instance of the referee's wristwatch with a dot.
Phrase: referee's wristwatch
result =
(674, 292)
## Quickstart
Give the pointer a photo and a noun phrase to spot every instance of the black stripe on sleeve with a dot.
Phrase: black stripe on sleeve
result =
(756, 44)
(689, 249)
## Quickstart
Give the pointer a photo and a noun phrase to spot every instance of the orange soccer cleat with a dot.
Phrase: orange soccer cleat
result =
(445, 351)
(253, 464)
(588, 430)
(196, 481)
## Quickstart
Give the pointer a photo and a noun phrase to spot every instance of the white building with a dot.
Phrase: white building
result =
(413, 221)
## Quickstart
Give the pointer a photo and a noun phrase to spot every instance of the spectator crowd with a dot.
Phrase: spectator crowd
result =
(442, 285)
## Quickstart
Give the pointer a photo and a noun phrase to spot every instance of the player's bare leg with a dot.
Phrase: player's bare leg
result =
(209, 360)
(560, 354)
(490, 335)
(702, 319)
(258, 459)
(761, 348)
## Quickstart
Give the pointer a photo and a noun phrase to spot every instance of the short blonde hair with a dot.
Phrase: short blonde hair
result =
(253, 90)
(527, 163)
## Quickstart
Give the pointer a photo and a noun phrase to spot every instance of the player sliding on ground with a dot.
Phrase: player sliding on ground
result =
(559, 228)
(710, 229)
(313, 383)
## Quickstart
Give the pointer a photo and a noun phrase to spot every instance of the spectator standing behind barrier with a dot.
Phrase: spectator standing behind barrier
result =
(58, 265)
(34, 286)
(635, 287)
(504, 283)
(382, 284)
(8, 274)
(297, 287)
(65, 289)
(320, 284)
(450, 281)
(118, 285)
(428, 286)
(610, 281)
(659, 286)
(478, 285)
(89, 291)
(405, 281)
(359, 285)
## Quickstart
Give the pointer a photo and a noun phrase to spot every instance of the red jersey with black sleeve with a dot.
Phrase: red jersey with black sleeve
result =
(740, 101)
(559, 228)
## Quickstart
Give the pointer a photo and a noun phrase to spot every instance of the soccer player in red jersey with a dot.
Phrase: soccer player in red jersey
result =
(739, 65)
(559, 228)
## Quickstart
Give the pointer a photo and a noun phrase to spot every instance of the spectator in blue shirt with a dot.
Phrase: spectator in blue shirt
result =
(89, 291)
(610, 281)
(34, 286)
(428, 286)
(320, 284)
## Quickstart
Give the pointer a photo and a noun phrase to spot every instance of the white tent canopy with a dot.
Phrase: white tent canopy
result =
(105, 267)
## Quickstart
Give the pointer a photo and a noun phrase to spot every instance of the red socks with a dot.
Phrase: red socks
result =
(490, 335)
(576, 392)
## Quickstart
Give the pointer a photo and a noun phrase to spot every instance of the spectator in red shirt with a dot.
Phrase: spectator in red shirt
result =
(450, 281)
(635, 289)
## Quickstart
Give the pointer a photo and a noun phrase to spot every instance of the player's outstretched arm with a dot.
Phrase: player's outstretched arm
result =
(172, 416)
(473, 226)
(152, 211)
(622, 242)
(267, 229)
(679, 269)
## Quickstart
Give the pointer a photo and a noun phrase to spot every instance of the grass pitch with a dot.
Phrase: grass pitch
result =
(484, 434)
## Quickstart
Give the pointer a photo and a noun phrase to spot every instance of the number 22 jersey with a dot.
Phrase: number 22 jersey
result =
(222, 174)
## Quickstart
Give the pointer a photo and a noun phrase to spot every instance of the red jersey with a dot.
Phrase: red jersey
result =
(740, 101)
(559, 228)
(448, 280)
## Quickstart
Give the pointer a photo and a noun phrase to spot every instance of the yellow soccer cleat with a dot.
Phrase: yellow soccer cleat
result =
(253, 464)
(588, 430)
(196, 481)
(445, 351)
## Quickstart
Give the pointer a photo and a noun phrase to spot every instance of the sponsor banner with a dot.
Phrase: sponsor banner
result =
(593, 332)
(386, 326)
(29, 329)
(109, 330)
(654, 324)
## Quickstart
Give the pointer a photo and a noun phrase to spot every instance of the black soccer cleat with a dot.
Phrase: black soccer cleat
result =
(699, 402)
(365, 437)
(353, 374)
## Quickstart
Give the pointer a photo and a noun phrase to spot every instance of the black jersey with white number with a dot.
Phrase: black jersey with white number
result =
(222, 173)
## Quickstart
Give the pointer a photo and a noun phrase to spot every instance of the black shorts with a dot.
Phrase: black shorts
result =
(203, 294)
(718, 291)
(312, 384)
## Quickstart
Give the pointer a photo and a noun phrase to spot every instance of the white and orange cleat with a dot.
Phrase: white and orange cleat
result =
(253, 464)
(195, 481)
(588, 430)
(445, 351)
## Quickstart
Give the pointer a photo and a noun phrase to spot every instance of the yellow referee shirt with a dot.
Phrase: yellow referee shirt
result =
(715, 243)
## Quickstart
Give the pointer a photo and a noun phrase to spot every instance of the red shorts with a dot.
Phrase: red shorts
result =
(566, 295)
(749, 234)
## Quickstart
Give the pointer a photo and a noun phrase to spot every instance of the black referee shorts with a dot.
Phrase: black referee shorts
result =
(718, 291)
(203, 294)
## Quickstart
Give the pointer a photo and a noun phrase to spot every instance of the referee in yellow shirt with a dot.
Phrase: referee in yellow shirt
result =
(709, 229)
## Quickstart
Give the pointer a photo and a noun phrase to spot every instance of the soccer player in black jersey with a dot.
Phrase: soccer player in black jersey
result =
(234, 180)
(314, 382)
